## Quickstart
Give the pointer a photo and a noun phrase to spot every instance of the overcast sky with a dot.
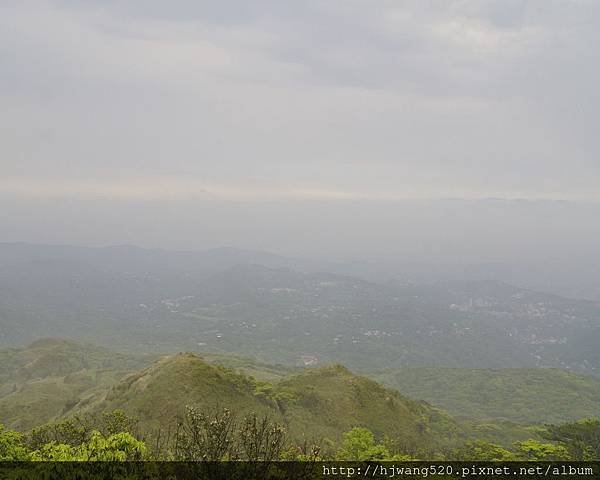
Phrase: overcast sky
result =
(127, 121)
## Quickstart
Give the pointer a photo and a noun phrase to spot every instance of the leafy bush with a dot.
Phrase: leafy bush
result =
(12, 446)
(582, 438)
(359, 445)
(117, 447)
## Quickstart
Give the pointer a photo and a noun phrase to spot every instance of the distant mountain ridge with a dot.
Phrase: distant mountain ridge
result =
(137, 260)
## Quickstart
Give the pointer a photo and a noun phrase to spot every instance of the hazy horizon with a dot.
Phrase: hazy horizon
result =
(452, 132)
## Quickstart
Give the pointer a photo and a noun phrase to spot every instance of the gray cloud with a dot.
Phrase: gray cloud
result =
(449, 96)
(237, 106)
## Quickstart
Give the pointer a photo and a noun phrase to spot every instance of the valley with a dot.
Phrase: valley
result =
(428, 368)
(275, 314)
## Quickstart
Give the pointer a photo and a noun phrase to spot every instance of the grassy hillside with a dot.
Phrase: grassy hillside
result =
(518, 395)
(37, 401)
(502, 432)
(159, 393)
(50, 377)
(58, 357)
(330, 400)
(251, 367)
(54, 377)
(316, 404)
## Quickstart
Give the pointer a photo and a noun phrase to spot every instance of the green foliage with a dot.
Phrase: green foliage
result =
(359, 444)
(79, 429)
(12, 446)
(219, 436)
(581, 438)
(537, 451)
(480, 450)
(117, 447)
(528, 450)
(55, 452)
(73, 431)
(120, 446)
(76, 439)
(270, 393)
(117, 421)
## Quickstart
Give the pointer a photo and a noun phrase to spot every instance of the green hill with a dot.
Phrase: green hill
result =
(58, 357)
(518, 395)
(50, 377)
(316, 404)
(330, 400)
(55, 377)
(160, 393)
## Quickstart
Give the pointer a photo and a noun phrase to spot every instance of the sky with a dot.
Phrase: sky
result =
(419, 128)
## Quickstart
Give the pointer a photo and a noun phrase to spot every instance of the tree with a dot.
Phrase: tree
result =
(582, 438)
(205, 437)
(261, 439)
(484, 451)
(12, 446)
(359, 445)
(117, 447)
(537, 451)
(78, 429)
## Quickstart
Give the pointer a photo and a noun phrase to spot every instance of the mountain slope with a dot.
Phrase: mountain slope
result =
(50, 377)
(58, 357)
(331, 400)
(519, 395)
(158, 394)
(320, 403)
